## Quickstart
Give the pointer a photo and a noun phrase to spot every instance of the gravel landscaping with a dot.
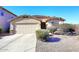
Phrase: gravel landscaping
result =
(66, 44)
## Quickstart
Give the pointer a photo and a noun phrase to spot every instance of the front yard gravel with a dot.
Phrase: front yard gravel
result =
(66, 44)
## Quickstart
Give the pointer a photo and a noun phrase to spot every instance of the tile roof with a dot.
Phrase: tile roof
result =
(39, 17)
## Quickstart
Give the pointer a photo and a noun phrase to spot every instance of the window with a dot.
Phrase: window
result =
(11, 17)
(2, 14)
(54, 22)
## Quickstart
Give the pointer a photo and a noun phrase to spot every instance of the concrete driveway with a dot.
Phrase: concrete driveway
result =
(18, 43)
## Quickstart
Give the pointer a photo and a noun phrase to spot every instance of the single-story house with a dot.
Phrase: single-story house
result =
(5, 17)
(29, 24)
(24, 25)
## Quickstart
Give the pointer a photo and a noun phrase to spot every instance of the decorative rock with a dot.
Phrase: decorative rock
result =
(53, 39)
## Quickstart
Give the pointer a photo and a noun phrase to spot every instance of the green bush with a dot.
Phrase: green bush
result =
(42, 34)
(0, 30)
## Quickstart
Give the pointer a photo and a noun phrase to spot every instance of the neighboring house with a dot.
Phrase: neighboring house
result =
(48, 22)
(5, 17)
(24, 25)
(54, 22)
(29, 24)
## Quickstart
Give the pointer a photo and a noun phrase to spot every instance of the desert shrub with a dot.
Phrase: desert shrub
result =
(67, 27)
(42, 34)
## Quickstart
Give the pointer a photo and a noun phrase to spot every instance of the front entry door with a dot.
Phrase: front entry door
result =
(43, 25)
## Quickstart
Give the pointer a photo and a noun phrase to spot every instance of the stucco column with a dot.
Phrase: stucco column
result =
(11, 28)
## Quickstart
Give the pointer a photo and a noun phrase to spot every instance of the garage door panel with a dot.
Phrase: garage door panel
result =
(26, 29)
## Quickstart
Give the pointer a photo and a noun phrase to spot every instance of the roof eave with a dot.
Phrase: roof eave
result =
(7, 11)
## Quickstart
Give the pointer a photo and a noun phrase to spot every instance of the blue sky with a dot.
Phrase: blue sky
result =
(70, 13)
